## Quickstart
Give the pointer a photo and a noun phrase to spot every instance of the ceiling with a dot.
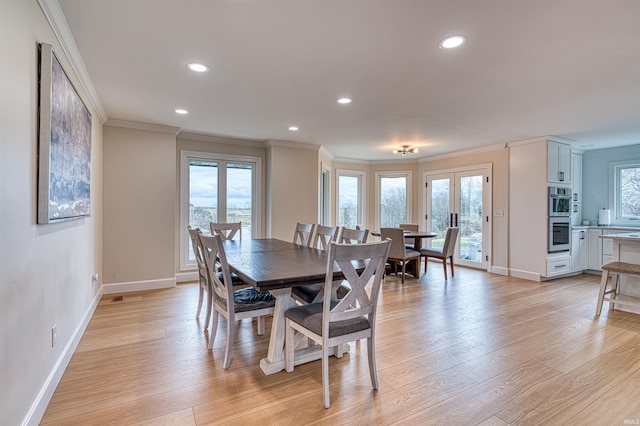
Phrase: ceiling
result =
(530, 68)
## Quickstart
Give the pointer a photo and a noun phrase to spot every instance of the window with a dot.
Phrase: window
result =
(217, 188)
(393, 198)
(626, 192)
(350, 196)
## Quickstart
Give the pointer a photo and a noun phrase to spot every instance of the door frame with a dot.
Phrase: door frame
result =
(487, 198)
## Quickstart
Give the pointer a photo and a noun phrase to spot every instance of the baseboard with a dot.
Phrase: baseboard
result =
(527, 275)
(499, 270)
(139, 285)
(183, 277)
(35, 414)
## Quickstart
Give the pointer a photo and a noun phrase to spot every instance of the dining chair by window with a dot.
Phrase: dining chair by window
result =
(311, 293)
(203, 277)
(303, 233)
(446, 252)
(353, 236)
(398, 253)
(227, 231)
(332, 323)
(232, 304)
(411, 227)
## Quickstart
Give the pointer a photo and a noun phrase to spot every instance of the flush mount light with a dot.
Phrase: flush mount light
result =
(197, 67)
(293, 128)
(181, 111)
(452, 41)
(344, 100)
(406, 149)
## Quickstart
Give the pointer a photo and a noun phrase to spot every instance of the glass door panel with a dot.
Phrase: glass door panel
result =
(240, 196)
(439, 207)
(469, 199)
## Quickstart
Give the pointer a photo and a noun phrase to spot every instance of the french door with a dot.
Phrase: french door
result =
(461, 198)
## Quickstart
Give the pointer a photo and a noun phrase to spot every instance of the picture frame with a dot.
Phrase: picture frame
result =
(64, 144)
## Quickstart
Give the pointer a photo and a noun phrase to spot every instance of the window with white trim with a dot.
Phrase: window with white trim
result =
(217, 188)
(625, 204)
(393, 198)
(350, 195)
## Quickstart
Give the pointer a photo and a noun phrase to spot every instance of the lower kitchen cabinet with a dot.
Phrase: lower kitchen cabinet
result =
(579, 250)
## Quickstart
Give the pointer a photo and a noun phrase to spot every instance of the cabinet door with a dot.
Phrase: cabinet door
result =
(576, 178)
(576, 214)
(575, 250)
(558, 162)
(594, 243)
(564, 163)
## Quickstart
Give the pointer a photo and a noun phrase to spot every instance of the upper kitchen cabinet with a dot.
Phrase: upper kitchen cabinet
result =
(576, 177)
(558, 163)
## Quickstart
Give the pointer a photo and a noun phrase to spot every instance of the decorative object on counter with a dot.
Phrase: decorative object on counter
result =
(604, 218)
(586, 222)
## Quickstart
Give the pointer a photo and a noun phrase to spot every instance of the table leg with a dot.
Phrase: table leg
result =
(274, 361)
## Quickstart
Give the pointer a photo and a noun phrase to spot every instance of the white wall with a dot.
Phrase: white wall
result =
(45, 270)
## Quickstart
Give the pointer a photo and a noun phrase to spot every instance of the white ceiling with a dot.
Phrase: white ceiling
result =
(530, 68)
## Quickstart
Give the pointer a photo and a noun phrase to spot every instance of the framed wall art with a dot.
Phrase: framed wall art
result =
(64, 148)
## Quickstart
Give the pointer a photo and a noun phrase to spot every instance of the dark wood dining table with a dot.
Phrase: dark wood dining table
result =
(277, 266)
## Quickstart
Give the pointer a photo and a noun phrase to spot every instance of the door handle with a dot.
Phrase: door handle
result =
(456, 220)
(451, 220)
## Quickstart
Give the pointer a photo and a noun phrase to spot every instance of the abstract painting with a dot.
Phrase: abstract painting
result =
(64, 163)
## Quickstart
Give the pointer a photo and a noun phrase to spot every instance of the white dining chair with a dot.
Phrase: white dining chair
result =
(303, 233)
(332, 323)
(231, 304)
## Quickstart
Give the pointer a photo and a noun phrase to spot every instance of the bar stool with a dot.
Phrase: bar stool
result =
(616, 269)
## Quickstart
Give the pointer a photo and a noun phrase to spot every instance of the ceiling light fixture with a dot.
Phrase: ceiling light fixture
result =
(452, 41)
(293, 128)
(197, 67)
(406, 149)
(344, 100)
(181, 111)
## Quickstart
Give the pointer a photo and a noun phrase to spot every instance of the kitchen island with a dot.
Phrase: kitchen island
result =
(626, 248)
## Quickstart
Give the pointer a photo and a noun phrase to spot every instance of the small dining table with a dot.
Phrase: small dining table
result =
(277, 266)
(413, 268)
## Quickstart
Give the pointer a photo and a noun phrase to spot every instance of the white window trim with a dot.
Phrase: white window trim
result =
(613, 192)
(408, 175)
(363, 179)
(256, 206)
(324, 168)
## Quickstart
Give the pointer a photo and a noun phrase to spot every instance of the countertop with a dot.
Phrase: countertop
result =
(616, 227)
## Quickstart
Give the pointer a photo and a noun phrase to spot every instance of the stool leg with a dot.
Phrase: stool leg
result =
(615, 280)
(603, 286)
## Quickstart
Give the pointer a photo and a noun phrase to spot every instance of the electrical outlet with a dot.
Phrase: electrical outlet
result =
(94, 279)
(54, 335)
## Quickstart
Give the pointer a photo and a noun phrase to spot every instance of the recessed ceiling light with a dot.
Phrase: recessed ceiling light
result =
(197, 67)
(293, 128)
(344, 100)
(181, 111)
(452, 41)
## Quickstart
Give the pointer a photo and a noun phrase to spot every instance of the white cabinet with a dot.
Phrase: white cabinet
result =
(576, 214)
(594, 242)
(579, 250)
(576, 177)
(558, 163)
(558, 265)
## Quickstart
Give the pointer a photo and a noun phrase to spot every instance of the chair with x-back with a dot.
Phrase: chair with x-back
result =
(233, 305)
(332, 323)
(353, 236)
(227, 231)
(303, 233)
(203, 276)
(310, 293)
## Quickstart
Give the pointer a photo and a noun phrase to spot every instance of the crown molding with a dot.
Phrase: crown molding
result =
(291, 144)
(542, 139)
(481, 149)
(221, 139)
(53, 12)
(142, 126)
(326, 153)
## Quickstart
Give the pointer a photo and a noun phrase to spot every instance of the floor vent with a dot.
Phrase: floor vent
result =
(117, 299)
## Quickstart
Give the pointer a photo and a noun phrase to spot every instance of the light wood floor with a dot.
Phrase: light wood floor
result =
(478, 349)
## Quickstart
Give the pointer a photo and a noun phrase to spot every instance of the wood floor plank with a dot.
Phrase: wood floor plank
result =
(475, 349)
